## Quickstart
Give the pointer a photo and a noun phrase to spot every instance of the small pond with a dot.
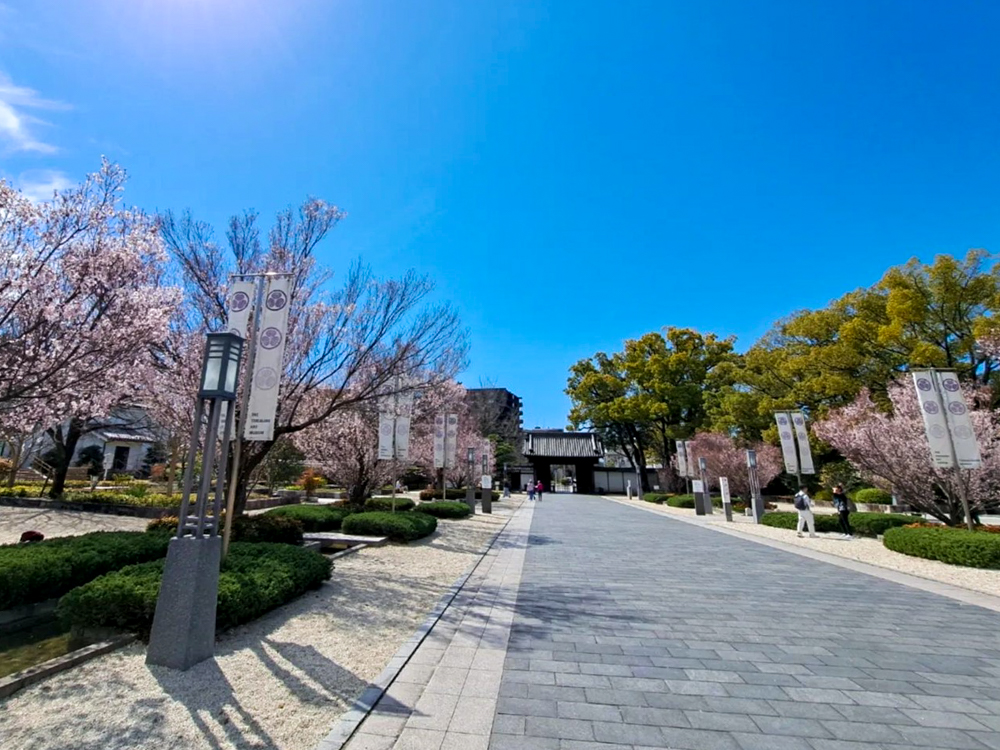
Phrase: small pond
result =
(27, 648)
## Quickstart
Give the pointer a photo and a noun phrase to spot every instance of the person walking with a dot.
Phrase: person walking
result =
(531, 493)
(506, 488)
(843, 506)
(803, 504)
(538, 489)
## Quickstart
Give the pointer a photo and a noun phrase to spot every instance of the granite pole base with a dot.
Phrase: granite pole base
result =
(470, 499)
(183, 631)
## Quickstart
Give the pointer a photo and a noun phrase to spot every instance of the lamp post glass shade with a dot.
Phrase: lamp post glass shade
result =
(221, 366)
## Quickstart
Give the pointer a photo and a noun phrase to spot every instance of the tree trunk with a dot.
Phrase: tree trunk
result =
(67, 445)
(15, 462)
(175, 449)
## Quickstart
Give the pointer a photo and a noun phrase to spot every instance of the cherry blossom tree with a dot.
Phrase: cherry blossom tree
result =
(890, 450)
(346, 344)
(724, 457)
(345, 444)
(82, 300)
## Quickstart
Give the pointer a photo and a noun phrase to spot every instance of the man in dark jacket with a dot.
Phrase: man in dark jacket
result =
(843, 506)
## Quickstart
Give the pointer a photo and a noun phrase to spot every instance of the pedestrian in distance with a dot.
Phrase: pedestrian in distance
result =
(843, 506)
(531, 493)
(506, 488)
(803, 504)
(538, 489)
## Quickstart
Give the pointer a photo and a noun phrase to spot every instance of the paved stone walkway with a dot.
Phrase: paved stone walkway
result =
(632, 630)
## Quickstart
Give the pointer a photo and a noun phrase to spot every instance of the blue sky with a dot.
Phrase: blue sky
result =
(570, 173)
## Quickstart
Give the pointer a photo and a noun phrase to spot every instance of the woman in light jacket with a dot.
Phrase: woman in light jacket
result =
(803, 504)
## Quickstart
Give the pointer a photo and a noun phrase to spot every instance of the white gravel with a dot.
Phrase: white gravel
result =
(15, 521)
(862, 549)
(279, 682)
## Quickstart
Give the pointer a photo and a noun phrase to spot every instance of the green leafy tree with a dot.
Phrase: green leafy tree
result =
(643, 399)
(927, 315)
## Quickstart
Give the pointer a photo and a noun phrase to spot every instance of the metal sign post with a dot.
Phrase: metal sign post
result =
(756, 501)
(706, 495)
(727, 505)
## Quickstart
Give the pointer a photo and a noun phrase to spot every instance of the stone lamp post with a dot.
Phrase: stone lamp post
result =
(183, 631)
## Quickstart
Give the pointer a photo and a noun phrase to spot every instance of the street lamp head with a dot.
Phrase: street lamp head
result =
(221, 366)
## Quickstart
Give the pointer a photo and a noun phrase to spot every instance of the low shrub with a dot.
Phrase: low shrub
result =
(147, 500)
(453, 494)
(864, 524)
(254, 579)
(47, 569)
(385, 503)
(823, 496)
(739, 506)
(973, 549)
(873, 496)
(656, 497)
(444, 509)
(257, 528)
(687, 501)
(21, 490)
(313, 517)
(400, 527)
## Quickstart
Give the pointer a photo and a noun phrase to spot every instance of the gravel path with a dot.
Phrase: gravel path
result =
(870, 551)
(15, 521)
(279, 682)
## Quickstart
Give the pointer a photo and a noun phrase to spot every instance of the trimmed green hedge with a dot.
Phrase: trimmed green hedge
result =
(256, 528)
(150, 500)
(873, 496)
(400, 527)
(687, 501)
(35, 572)
(864, 524)
(444, 509)
(973, 549)
(453, 494)
(255, 578)
(385, 503)
(313, 517)
(656, 497)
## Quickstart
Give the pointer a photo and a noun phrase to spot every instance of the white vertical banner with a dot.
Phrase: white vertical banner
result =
(787, 442)
(692, 464)
(239, 308)
(724, 489)
(935, 423)
(269, 353)
(386, 433)
(403, 438)
(802, 438)
(439, 434)
(451, 440)
(957, 413)
(682, 464)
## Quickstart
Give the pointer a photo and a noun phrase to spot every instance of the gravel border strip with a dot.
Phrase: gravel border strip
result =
(965, 596)
(350, 721)
(11, 684)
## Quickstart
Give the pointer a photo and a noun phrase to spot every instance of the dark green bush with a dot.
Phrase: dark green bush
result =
(385, 503)
(656, 497)
(873, 496)
(254, 579)
(246, 528)
(400, 527)
(824, 496)
(453, 494)
(43, 570)
(681, 501)
(444, 509)
(973, 549)
(864, 524)
(874, 524)
(313, 517)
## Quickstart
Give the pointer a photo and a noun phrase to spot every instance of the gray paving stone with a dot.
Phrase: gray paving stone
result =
(692, 658)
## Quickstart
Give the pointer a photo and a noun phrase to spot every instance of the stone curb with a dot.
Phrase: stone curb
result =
(965, 596)
(349, 722)
(11, 684)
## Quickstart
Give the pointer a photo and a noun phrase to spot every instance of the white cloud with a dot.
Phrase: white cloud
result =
(17, 127)
(39, 184)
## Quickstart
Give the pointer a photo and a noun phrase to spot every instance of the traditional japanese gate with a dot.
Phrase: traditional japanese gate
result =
(547, 448)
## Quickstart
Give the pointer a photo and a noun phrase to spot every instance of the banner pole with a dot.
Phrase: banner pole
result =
(241, 423)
